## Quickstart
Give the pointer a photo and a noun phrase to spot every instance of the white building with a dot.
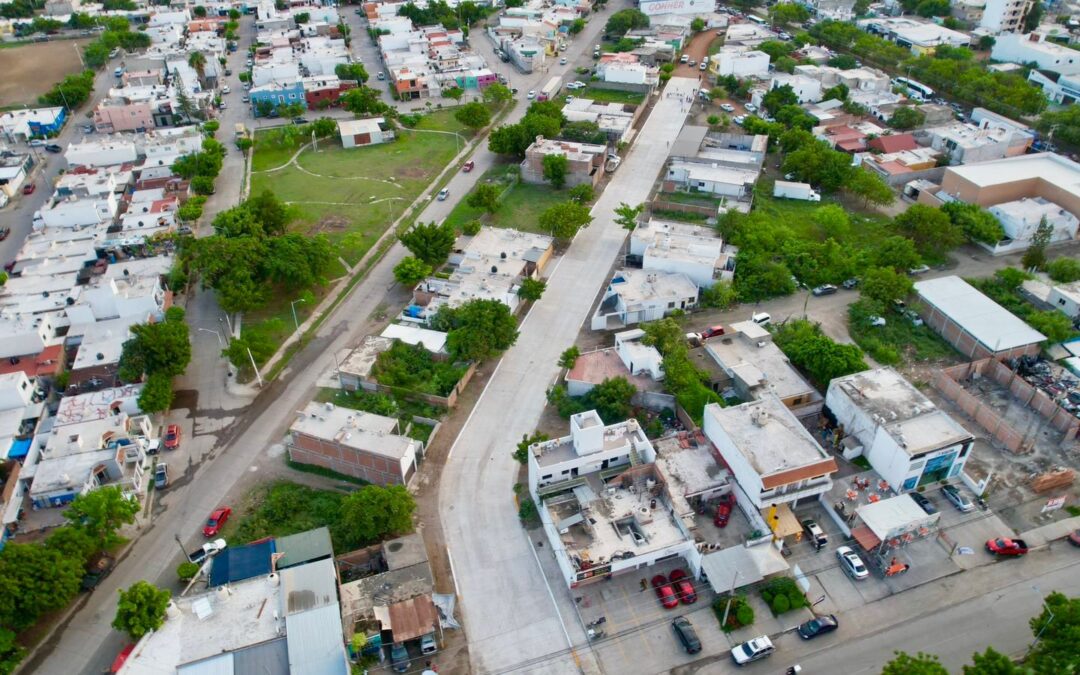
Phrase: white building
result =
(905, 437)
(675, 247)
(1021, 219)
(635, 296)
(1033, 47)
(920, 35)
(740, 62)
(358, 133)
(101, 153)
(807, 89)
(712, 178)
(1004, 16)
(624, 68)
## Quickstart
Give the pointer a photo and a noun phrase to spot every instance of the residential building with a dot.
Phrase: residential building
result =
(625, 68)
(1005, 16)
(98, 347)
(112, 115)
(835, 10)
(967, 143)
(358, 133)
(677, 247)
(747, 34)
(969, 12)
(22, 125)
(1021, 220)
(739, 61)
(772, 456)
(269, 96)
(353, 443)
(1035, 48)
(907, 440)
(638, 364)
(807, 89)
(855, 79)
(585, 161)
(14, 169)
(636, 296)
(725, 165)
(974, 324)
(710, 178)
(751, 364)
(901, 167)
(920, 35)
(324, 91)
(106, 152)
(614, 119)
(1061, 89)
(1064, 297)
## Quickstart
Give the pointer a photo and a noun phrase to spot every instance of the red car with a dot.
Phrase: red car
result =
(1003, 546)
(468, 166)
(215, 521)
(29, 188)
(172, 437)
(723, 511)
(665, 592)
(684, 586)
(1074, 538)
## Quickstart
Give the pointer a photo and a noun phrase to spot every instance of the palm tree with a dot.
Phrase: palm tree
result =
(197, 61)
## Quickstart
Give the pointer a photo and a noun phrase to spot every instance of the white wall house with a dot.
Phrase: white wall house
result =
(740, 62)
(1021, 219)
(1032, 47)
(635, 296)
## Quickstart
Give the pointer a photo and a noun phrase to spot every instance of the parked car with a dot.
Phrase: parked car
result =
(29, 188)
(665, 592)
(443, 194)
(1006, 547)
(531, 95)
(684, 630)
(299, 120)
(4, 233)
(244, 98)
(819, 625)
(957, 498)
(207, 550)
(685, 58)
(727, 107)
(215, 521)
(914, 318)
(899, 305)
(704, 65)
(562, 61)
(752, 650)
(114, 52)
(739, 119)
(228, 71)
(172, 437)
(684, 587)
(569, 98)
(161, 476)
(468, 166)
(575, 85)
(54, 148)
(693, 63)
(924, 502)
(226, 90)
(851, 563)
(877, 321)
(761, 318)
(97, 569)
(921, 269)
(723, 510)
(815, 534)
(381, 76)
(750, 108)
(851, 283)
(427, 644)
(1074, 538)
(399, 657)
(712, 331)
(824, 289)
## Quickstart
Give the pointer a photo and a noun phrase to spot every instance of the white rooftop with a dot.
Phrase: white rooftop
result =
(638, 287)
(1048, 166)
(432, 340)
(894, 516)
(355, 429)
(989, 323)
(768, 435)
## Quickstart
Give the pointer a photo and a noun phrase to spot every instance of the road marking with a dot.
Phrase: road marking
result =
(453, 574)
(551, 594)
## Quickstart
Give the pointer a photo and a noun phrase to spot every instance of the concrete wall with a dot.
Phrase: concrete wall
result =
(965, 343)
(352, 383)
(368, 466)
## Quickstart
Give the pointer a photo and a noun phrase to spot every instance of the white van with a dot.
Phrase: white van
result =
(761, 318)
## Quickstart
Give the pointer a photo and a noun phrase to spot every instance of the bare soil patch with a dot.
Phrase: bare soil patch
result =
(31, 70)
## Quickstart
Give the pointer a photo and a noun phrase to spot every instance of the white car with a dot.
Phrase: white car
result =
(704, 65)
(531, 95)
(208, 550)
(750, 108)
(739, 120)
(443, 194)
(851, 563)
(727, 107)
(569, 99)
(752, 650)
(575, 85)
(225, 89)
(562, 61)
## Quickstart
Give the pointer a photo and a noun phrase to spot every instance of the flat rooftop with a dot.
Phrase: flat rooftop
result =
(361, 359)
(353, 429)
(98, 405)
(759, 364)
(603, 364)
(715, 173)
(637, 287)
(559, 450)
(688, 463)
(768, 436)
(1047, 166)
(994, 327)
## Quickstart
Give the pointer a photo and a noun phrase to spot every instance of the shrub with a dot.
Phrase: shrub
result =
(739, 615)
(745, 614)
(783, 595)
(472, 227)
(780, 604)
(187, 571)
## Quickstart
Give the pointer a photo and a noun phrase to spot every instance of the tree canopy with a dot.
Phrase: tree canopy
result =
(429, 242)
(977, 223)
(163, 347)
(931, 229)
(34, 580)
(478, 329)
(565, 219)
(473, 115)
(625, 20)
(818, 355)
(556, 168)
(141, 609)
(101, 512)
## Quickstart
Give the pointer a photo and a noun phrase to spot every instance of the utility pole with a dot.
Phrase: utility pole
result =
(258, 376)
(731, 595)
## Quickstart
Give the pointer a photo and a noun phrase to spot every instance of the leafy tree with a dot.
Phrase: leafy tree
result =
(1034, 17)
(1053, 324)
(556, 168)
(779, 97)
(531, 289)
(757, 277)
(430, 242)
(497, 93)
(373, 512)
(485, 196)
(625, 20)
(1011, 278)
(870, 187)
(70, 92)
(96, 54)
(977, 223)
(191, 210)
(784, 13)
(521, 454)
(930, 228)
(907, 117)
(582, 193)
(199, 11)
(793, 139)
(453, 92)
(897, 252)
(157, 394)
(794, 117)
(1035, 257)
(100, 513)
(991, 662)
(816, 353)
(478, 329)
(986, 43)
(720, 295)
(162, 347)
(569, 357)
(509, 139)
(576, 26)
(351, 71)
(232, 267)
(611, 399)
(296, 261)
(186, 571)
(202, 185)
(920, 664)
(627, 216)
(363, 101)
(11, 652)
(697, 24)
(884, 284)
(411, 271)
(1064, 270)
(72, 542)
(565, 219)
(197, 60)
(820, 165)
(473, 115)
(550, 109)
(839, 93)
(34, 580)
(1057, 649)
(141, 609)
(472, 228)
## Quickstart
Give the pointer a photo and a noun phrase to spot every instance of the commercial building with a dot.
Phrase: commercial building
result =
(1035, 48)
(907, 440)
(1046, 174)
(976, 325)
(739, 61)
(921, 36)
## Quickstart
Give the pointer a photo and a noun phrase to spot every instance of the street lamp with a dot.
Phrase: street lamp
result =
(293, 305)
(208, 330)
(1044, 626)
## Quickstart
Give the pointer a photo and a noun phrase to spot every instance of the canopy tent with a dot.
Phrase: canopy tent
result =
(741, 565)
(896, 517)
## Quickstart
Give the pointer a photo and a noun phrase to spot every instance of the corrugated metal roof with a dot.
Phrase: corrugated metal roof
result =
(242, 562)
(304, 547)
(266, 658)
(308, 587)
(316, 644)
(992, 325)
(412, 618)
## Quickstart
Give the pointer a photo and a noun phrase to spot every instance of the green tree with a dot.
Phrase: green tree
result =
(920, 664)
(611, 399)
(1011, 278)
(779, 97)
(1034, 257)
(411, 271)
(582, 193)
(625, 20)
(870, 187)
(897, 252)
(885, 285)
(1057, 649)
(930, 228)
(531, 289)
(565, 219)
(627, 216)
(472, 227)
(991, 662)
(820, 165)
(556, 168)
(202, 185)
(11, 652)
(453, 92)
(197, 60)
(430, 242)
(157, 394)
(162, 347)
(96, 54)
(569, 357)
(101, 512)
(269, 211)
(485, 196)
(720, 295)
(35, 579)
(351, 71)
(907, 117)
(1053, 324)
(816, 353)
(141, 609)
(363, 101)
(373, 512)
(697, 24)
(497, 94)
(783, 13)
(576, 26)
(186, 571)
(509, 139)
(839, 93)
(473, 115)
(977, 223)
(521, 453)
(72, 542)
(478, 329)
(199, 11)
(1034, 17)
(232, 267)
(1064, 270)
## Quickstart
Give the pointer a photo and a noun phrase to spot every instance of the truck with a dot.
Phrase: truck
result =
(97, 569)
(241, 130)
(1006, 546)
(792, 190)
(550, 90)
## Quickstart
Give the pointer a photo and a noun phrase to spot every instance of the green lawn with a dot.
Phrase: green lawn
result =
(899, 340)
(519, 208)
(611, 95)
(867, 229)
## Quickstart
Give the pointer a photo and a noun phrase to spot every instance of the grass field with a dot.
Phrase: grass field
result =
(867, 229)
(32, 69)
(519, 208)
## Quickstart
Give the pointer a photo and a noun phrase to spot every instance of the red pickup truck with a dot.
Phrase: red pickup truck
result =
(1003, 546)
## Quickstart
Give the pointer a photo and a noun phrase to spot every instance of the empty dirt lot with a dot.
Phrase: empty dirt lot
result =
(31, 70)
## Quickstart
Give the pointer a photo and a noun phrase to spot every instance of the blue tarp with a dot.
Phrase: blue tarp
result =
(19, 449)
(242, 562)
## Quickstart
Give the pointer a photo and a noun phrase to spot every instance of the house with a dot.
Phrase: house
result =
(107, 152)
(22, 125)
(299, 629)
(974, 324)
(354, 443)
(771, 455)
(907, 440)
(14, 169)
(1061, 89)
(750, 363)
(739, 61)
(890, 143)
(614, 119)
(603, 504)
(120, 114)
(635, 296)
(1035, 48)
(265, 98)
(835, 10)
(969, 143)
(807, 89)
(901, 167)
(638, 364)
(98, 347)
(1065, 298)
(324, 91)
(677, 247)
(358, 133)
(625, 68)
(855, 79)
(1021, 220)
(711, 178)
(585, 161)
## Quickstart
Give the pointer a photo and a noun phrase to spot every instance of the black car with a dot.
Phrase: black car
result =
(819, 625)
(299, 120)
(53, 147)
(684, 630)
(924, 502)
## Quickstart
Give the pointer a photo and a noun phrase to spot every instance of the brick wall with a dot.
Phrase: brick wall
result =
(371, 467)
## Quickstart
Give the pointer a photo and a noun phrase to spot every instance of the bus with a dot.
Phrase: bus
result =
(915, 90)
(753, 18)
(550, 90)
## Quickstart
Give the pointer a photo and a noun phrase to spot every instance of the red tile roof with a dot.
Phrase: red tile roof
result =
(894, 143)
(46, 364)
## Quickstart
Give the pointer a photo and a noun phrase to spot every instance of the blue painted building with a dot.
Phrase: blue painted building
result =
(276, 95)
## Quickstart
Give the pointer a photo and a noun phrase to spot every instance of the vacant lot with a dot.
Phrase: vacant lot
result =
(31, 70)
(520, 205)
